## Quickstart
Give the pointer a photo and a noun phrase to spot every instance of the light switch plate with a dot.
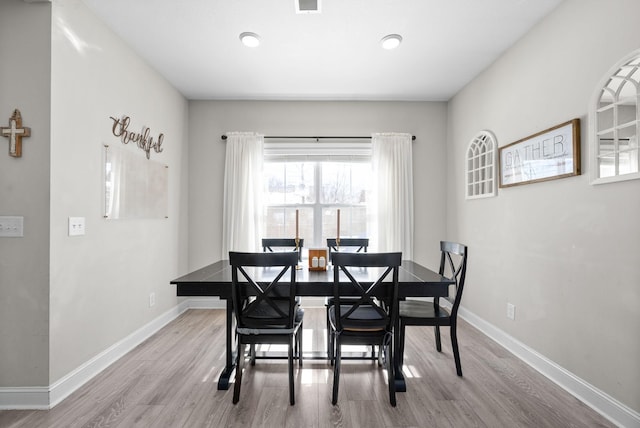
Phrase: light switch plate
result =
(76, 226)
(11, 226)
(511, 311)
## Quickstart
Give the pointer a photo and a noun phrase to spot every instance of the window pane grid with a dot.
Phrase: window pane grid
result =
(317, 190)
(481, 155)
(617, 124)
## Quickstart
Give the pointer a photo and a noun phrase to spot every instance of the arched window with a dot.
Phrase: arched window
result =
(615, 122)
(481, 166)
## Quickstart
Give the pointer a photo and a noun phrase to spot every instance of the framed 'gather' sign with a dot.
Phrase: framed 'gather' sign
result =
(548, 155)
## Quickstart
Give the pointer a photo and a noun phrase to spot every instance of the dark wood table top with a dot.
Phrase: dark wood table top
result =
(414, 280)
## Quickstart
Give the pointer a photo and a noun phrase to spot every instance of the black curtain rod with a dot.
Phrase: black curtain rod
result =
(413, 137)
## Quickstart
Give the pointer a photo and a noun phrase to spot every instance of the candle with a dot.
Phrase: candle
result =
(297, 225)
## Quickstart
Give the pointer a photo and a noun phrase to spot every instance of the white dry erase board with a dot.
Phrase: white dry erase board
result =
(134, 186)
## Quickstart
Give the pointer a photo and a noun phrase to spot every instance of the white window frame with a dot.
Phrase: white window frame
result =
(317, 151)
(595, 132)
(480, 171)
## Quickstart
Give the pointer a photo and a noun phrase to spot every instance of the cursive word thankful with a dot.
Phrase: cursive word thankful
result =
(142, 139)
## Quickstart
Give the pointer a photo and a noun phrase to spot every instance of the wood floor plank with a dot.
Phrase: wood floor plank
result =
(272, 407)
(305, 413)
(170, 381)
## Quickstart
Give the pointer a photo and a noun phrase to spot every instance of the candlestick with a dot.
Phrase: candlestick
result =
(338, 230)
(298, 236)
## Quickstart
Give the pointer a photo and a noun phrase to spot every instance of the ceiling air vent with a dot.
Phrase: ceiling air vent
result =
(307, 6)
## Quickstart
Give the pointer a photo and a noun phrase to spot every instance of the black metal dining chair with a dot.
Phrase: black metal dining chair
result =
(364, 313)
(355, 245)
(266, 311)
(453, 265)
(272, 244)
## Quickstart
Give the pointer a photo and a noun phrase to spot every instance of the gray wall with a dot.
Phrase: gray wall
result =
(564, 252)
(25, 50)
(101, 282)
(208, 120)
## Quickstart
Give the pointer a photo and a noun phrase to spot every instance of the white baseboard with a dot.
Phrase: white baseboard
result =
(27, 398)
(598, 400)
(205, 303)
(47, 397)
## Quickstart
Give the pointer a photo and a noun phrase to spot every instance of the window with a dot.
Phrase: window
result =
(615, 124)
(317, 185)
(481, 166)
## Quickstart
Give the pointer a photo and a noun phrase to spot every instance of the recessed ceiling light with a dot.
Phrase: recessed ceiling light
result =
(251, 40)
(307, 6)
(391, 41)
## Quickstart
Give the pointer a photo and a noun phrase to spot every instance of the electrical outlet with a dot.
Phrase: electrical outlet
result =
(76, 226)
(152, 299)
(511, 311)
(11, 226)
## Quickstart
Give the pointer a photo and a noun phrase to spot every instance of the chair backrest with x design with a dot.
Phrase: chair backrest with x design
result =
(453, 265)
(264, 304)
(360, 245)
(269, 244)
(369, 306)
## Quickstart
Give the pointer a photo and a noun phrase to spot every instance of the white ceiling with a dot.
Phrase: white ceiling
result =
(332, 55)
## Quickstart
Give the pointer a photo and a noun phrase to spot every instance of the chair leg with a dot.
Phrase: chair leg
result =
(328, 330)
(299, 335)
(390, 371)
(438, 342)
(332, 345)
(456, 351)
(252, 354)
(295, 340)
(400, 338)
(292, 394)
(239, 368)
(336, 371)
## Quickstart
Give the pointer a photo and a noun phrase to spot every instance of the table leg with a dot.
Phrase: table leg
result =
(401, 385)
(225, 376)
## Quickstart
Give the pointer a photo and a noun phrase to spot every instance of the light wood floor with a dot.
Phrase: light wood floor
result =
(170, 381)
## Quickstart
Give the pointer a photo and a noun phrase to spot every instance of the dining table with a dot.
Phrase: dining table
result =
(414, 280)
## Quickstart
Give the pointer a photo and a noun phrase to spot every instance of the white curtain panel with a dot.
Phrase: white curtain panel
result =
(392, 165)
(242, 210)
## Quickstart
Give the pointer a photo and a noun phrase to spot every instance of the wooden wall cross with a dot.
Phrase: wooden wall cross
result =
(15, 131)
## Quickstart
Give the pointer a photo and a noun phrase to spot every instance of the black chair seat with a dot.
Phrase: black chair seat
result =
(420, 312)
(364, 318)
(265, 314)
